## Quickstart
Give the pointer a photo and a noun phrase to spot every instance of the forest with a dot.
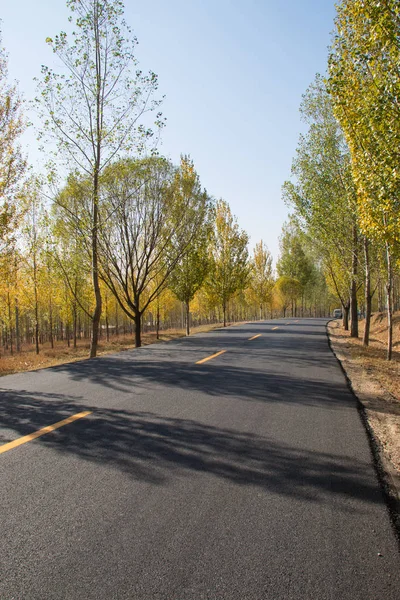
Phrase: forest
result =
(111, 240)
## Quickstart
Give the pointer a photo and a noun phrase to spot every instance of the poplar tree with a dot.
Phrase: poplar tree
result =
(364, 83)
(229, 268)
(261, 276)
(324, 196)
(12, 161)
(190, 271)
(94, 109)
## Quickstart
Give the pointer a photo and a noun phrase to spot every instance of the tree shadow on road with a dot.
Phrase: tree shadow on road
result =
(155, 449)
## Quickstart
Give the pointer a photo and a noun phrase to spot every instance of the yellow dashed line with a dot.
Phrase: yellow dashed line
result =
(43, 431)
(203, 360)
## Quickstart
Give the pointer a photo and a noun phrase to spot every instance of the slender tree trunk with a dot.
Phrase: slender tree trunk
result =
(224, 312)
(74, 324)
(10, 323)
(346, 310)
(158, 320)
(389, 289)
(68, 335)
(95, 275)
(353, 293)
(17, 328)
(36, 321)
(187, 304)
(138, 329)
(107, 323)
(51, 323)
(368, 295)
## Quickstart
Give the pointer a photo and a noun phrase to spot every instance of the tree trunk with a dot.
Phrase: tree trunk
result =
(389, 288)
(17, 328)
(368, 295)
(51, 323)
(95, 260)
(158, 321)
(36, 323)
(353, 293)
(74, 324)
(138, 329)
(107, 323)
(346, 310)
(187, 304)
(224, 312)
(10, 323)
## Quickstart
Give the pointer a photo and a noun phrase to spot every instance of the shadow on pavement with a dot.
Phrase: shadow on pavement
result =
(157, 449)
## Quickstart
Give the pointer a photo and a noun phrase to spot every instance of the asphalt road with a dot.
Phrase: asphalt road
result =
(248, 476)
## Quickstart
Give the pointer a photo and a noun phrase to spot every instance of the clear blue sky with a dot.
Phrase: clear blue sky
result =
(233, 72)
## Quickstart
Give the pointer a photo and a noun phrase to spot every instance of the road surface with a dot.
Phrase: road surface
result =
(247, 475)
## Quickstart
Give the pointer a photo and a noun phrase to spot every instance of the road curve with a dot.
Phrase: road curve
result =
(157, 474)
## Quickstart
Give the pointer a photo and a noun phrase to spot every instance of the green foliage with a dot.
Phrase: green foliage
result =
(191, 269)
(12, 162)
(364, 83)
(94, 110)
(323, 193)
(229, 268)
(261, 280)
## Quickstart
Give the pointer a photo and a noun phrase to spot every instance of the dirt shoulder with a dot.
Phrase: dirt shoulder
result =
(376, 383)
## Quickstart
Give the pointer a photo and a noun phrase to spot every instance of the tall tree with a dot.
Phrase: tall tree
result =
(261, 276)
(190, 271)
(229, 267)
(12, 162)
(365, 86)
(94, 111)
(324, 195)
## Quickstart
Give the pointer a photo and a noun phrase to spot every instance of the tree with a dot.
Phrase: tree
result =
(190, 271)
(261, 276)
(94, 111)
(32, 230)
(293, 261)
(12, 162)
(229, 267)
(147, 226)
(324, 195)
(287, 289)
(364, 81)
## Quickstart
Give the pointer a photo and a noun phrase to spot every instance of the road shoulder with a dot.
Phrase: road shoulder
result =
(380, 411)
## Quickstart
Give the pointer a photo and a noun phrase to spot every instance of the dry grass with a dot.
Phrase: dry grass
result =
(373, 359)
(28, 360)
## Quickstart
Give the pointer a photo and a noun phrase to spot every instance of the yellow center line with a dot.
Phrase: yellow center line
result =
(43, 431)
(203, 360)
(255, 336)
(275, 328)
